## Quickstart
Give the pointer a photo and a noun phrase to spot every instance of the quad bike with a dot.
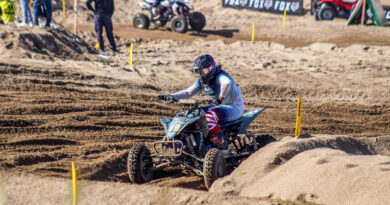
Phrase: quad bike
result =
(329, 9)
(179, 12)
(186, 145)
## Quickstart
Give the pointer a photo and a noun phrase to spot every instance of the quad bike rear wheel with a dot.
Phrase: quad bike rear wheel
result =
(179, 24)
(214, 166)
(197, 21)
(326, 12)
(141, 21)
(140, 164)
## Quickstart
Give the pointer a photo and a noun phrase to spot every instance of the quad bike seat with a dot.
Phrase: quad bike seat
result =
(243, 122)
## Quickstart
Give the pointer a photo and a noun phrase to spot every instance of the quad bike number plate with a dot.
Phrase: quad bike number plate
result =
(168, 148)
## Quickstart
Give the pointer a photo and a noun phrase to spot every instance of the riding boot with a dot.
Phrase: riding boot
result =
(218, 141)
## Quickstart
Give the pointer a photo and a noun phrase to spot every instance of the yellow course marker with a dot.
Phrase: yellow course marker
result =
(253, 32)
(131, 55)
(63, 7)
(284, 19)
(74, 184)
(299, 117)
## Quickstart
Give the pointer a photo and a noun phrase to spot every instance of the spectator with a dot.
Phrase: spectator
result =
(26, 12)
(103, 12)
(7, 11)
(37, 11)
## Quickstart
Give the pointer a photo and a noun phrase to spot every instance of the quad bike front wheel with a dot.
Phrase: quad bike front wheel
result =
(214, 166)
(197, 21)
(326, 12)
(141, 21)
(179, 24)
(140, 164)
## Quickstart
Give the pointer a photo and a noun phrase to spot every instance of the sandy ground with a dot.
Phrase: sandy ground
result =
(61, 102)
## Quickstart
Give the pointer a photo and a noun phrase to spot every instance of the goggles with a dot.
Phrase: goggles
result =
(201, 72)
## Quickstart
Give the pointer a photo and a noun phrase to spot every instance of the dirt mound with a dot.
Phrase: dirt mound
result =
(321, 169)
(38, 43)
(12, 187)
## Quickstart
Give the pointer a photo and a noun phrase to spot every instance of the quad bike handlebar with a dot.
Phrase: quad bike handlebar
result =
(168, 99)
(195, 103)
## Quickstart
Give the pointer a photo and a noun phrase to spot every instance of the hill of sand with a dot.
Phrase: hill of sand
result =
(61, 102)
(322, 169)
(36, 43)
(22, 189)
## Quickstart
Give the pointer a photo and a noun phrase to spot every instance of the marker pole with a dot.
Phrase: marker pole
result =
(284, 19)
(76, 18)
(74, 184)
(253, 32)
(363, 12)
(63, 7)
(131, 55)
(299, 117)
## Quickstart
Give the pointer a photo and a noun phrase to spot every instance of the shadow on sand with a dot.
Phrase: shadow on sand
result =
(227, 33)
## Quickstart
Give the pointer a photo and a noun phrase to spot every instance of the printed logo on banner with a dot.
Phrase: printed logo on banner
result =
(295, 6)
(268, 4)
(388, 15)
(243, 2)
(275, 6)
(256, 4)
(282, 5)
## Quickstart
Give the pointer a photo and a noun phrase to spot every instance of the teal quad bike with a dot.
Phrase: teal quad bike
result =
(186, 144)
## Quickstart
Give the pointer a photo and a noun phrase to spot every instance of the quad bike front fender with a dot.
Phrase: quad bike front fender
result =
(165, 123)
(176, 126)
(144, 5)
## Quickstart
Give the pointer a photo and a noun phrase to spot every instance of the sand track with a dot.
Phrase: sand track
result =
(63, 103)
(46, 126)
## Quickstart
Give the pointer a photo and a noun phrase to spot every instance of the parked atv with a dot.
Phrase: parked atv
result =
(186, 145)
(179, 12)
(329, 9)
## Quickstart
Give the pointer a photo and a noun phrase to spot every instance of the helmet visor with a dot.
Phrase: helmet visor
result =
(201, 72)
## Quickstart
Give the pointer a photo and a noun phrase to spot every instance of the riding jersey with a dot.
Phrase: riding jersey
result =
(8, 9)
(223, 85)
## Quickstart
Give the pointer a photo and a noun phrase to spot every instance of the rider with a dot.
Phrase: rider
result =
(222, 89)
(156, 8)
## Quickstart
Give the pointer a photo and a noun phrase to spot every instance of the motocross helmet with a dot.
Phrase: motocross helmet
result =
(204, 67)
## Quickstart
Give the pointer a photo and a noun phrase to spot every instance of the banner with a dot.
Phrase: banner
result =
(387, 12)
(294, 7)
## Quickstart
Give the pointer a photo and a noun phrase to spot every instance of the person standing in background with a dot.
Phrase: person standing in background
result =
(48, 8)
(103, 12)
(27, 17)
(7, 11)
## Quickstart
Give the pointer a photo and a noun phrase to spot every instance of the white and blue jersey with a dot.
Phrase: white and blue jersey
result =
(223, 85)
